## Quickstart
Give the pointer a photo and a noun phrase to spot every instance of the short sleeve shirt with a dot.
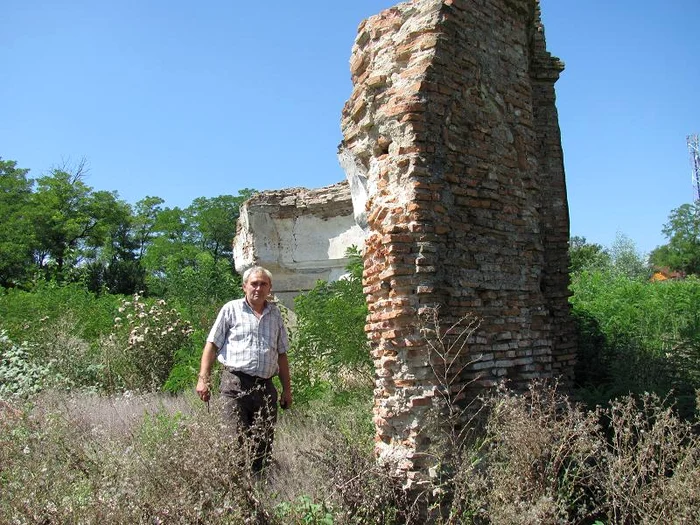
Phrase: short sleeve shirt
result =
(246, 343)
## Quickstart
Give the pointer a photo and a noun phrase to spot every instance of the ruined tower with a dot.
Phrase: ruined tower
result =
(452, 146)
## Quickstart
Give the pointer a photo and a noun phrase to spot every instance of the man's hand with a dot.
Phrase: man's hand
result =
(203, 388)
(286, 399)
(203, 383)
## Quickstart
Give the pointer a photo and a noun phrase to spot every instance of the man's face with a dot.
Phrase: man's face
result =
(256, 289)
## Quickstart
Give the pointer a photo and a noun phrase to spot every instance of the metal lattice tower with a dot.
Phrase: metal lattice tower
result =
(694, 149)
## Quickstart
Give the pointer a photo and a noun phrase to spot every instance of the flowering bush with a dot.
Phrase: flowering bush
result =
(19, 377)
(140, 351)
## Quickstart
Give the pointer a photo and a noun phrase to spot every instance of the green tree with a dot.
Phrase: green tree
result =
(213, 222)
(115, 265)
(329, 337)
(626, 260)
(71, 221)
(170, 247)
(16, 239)
(146, 214)
(587, 256)
(177, 240)
(682, 253)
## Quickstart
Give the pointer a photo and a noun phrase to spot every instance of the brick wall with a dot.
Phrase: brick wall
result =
(453, 126)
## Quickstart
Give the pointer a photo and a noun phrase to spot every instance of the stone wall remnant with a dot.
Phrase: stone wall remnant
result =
(452, 145)
(300, 235)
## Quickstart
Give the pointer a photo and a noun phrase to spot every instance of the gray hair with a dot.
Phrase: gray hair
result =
(254, 270)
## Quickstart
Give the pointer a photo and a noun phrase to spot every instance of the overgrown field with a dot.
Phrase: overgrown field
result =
(99, 424)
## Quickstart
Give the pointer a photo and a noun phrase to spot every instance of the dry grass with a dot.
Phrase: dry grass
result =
(546, 460)
(163, 459)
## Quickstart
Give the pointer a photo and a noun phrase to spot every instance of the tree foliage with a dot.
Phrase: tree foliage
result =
(585, 256)
(682, 253)
(58, 228)
(70, 220)
(16, 239)
(329, 336)
(626, 260)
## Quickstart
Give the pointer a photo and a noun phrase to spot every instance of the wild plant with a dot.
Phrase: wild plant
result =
(20, 377)
(170, 465)
(651, 471)
(140, 351)
(450, 359)
(535, 464)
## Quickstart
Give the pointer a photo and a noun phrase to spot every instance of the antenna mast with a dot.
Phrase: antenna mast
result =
(694, 149)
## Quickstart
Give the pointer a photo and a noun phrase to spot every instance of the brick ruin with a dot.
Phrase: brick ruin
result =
(451, 138)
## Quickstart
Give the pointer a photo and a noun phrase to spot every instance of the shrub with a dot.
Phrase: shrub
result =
(328, 342)
(546, 460)
(19, 376)
(637, 336)
(140, 352)
(25, 313)
(75, 360)
(185, 369)
(198, 290)
(535, 463)
(651, 469)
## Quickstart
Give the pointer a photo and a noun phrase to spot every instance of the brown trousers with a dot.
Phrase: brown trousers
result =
(250, 408)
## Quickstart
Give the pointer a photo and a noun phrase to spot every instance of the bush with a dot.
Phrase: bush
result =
(329, 348)
(546, 460)
(637, 336)
(24, 313)
(19, 376)
(200, 289)
(140, 352)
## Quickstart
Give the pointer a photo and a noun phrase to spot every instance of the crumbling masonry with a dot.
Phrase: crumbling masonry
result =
(451, 141)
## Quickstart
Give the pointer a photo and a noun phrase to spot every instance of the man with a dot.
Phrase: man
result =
(249, 339)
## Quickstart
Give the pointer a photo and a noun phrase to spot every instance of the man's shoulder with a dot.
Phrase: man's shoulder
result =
(274, 308)
(234, 304)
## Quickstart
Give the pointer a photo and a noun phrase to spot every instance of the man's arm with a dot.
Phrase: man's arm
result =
(285, 379)
(208, 357)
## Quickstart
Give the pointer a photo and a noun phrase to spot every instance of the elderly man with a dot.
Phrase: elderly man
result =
(250, 341)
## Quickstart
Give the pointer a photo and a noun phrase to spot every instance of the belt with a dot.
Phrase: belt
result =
(243, 375)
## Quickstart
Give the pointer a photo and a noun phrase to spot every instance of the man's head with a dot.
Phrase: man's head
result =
(257, 283)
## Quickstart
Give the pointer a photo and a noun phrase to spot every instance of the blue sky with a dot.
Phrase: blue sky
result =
(183, 99)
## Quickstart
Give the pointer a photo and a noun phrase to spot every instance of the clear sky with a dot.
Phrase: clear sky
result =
(181, 99)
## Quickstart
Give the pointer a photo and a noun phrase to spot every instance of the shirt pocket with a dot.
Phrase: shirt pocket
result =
(269, 337)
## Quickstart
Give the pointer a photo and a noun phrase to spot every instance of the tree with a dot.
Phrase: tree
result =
(16, 240)
(114, 265)
(171, 243)
(213, 222)
(179, 238)
(70, 220)
(587, 256)
(626, 260)
(682, 253)
(144, 222)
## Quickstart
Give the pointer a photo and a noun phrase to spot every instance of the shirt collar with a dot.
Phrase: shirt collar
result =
(265, 307)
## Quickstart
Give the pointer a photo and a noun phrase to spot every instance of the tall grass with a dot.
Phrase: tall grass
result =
(637, 336)
(164, 459)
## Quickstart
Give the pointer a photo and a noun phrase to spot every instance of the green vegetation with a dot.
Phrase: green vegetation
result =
(57, 228)
(682, 253)
(636, 334)
(330, 353)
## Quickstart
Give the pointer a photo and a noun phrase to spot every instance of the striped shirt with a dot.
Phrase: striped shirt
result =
(248, 344)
